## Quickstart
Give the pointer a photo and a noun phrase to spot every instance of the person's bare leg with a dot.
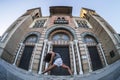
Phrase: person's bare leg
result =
(49, 68)
(66, 67)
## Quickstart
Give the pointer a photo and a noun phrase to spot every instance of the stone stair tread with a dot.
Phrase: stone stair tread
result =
(10, 72)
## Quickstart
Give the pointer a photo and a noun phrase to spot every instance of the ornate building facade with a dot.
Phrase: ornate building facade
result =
(86, 43)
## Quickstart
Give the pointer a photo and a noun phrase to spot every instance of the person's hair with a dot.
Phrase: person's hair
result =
(47, 57)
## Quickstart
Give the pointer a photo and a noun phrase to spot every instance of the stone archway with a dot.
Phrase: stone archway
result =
(92, 47)
(25, 50)
(67, 28)
(61, 38)
(28, 50)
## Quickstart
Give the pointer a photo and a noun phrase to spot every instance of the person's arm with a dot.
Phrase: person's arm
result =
(52, 57)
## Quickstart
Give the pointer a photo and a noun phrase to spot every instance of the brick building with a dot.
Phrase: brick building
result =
(86, 43)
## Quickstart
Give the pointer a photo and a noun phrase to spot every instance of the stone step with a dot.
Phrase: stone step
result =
(10, 72)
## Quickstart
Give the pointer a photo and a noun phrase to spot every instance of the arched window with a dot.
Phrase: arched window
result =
(82, 24)
(89, 39)
(63, 18)
(58, 18)
(31, 39)
(27, 52)
(94, 54)
(39, 23)
(60, 36)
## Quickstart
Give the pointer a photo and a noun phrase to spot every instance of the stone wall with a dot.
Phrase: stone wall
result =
(107, 42)
(15, 39)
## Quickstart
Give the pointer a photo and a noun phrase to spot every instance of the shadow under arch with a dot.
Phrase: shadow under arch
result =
(67, 28)
(93, 50)
(31, 33)
(28, 49)
(84, 34)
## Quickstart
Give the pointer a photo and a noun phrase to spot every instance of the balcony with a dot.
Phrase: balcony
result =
(61, 22)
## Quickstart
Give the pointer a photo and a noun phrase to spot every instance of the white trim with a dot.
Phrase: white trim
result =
(41, 61)
(16, 57)
(30, 69)
(74, 62)
(103, 54)
(33, 23)
(88, 24)
(4, 37)
(75, 22)
(49, 45)
(117, 37)
(45, 22)
(86, 51)
(79, 58)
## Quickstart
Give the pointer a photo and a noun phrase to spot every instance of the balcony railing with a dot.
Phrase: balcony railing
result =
(61, 22)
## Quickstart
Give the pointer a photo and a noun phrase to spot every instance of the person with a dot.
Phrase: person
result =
(55, 60)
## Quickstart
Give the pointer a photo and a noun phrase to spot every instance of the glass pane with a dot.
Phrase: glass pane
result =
(82, 24)
(56, 37)
(31, 39)
(60, 36)
(65, 37)
(39, 23)
(89, 39)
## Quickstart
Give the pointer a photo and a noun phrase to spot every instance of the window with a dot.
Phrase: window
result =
(89, 39)
(60, 36)
(39, 24)
(60, 21)
(31, 39)
(63, 18)
(112, 54)
(58, 18)
(82, 24)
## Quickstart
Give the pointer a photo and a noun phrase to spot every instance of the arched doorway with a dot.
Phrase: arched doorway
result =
(60, 44)
(27, 52)
(91, 43)
(64, 52)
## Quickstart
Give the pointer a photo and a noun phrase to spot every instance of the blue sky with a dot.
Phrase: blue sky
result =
(10, 10)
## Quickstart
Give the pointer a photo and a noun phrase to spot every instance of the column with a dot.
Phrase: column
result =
(86, 51)
(103, 54)
(49, 45)
(18, 52)
(30, 69)
(74, 62)
(79, 58)
(41, 61)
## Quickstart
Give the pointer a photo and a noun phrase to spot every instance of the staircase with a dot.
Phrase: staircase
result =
(10, 72)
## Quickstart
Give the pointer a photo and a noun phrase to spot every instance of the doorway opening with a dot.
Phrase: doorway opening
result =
(25, 58)
(64, 52)
(95, 58)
